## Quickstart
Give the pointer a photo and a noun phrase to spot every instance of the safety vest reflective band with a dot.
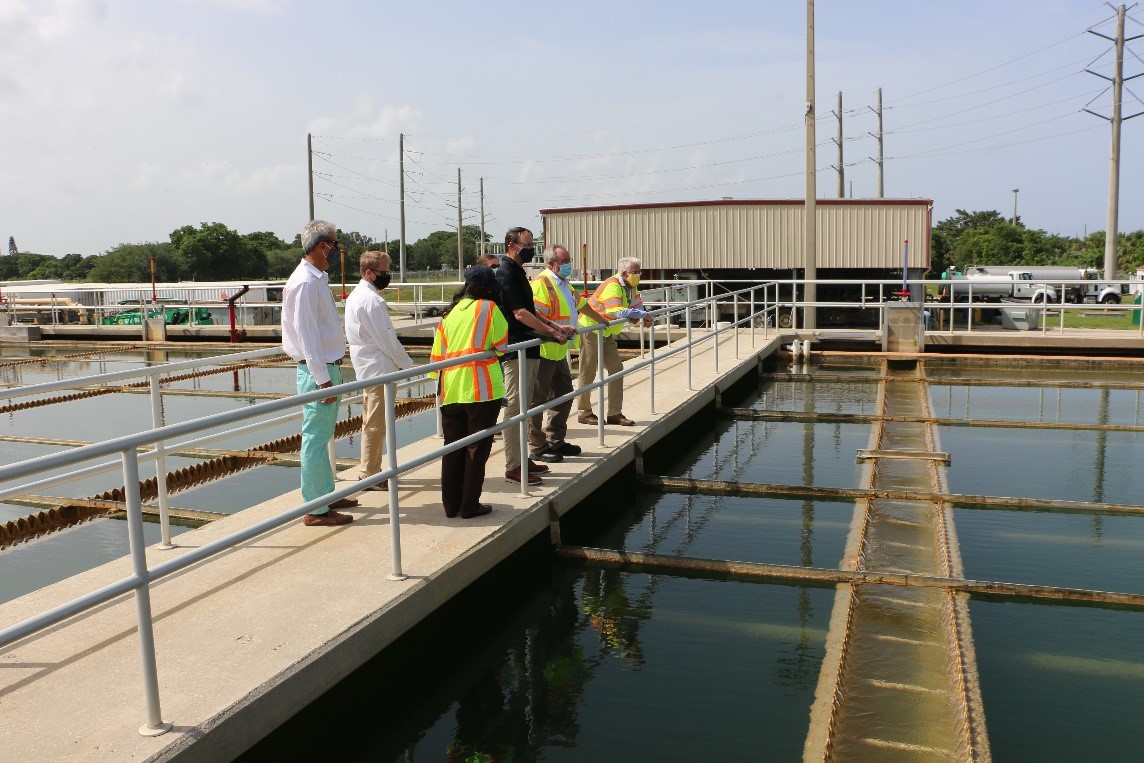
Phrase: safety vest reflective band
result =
(551, 304)
(471, 327)
(610, 297)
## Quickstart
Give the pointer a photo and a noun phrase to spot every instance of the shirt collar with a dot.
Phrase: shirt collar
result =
(312, 269)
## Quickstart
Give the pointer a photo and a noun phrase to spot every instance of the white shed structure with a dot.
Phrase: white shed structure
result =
(738, 235)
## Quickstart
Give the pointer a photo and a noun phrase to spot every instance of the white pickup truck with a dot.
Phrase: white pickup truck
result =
(1017, 284)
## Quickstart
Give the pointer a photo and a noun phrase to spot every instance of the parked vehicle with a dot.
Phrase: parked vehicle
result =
(174, 316)
(982, 287)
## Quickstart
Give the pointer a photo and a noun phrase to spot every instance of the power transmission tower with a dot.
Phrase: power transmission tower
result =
(460, 243)
(841, 168)
(310, 171)
(810, 265)
(878, 161)
(401, 194)
(1117, 80)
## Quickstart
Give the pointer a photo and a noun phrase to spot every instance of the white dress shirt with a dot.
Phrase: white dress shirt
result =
(311, 328)
(374, 348)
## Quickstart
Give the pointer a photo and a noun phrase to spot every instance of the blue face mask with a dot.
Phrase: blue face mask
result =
(565, 270)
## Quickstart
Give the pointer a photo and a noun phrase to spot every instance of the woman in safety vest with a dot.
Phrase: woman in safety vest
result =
(470, 393)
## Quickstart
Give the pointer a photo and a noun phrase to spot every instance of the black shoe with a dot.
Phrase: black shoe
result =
(483, 508)
(566, 449)
(549, 457)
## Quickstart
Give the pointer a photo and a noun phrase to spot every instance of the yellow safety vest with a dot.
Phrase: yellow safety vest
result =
(610, 297)
(471, 327)
(551, 304)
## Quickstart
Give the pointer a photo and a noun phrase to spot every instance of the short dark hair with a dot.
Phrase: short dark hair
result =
(513, 236)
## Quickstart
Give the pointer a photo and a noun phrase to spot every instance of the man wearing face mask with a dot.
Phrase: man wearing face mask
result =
(523, 324)
(374, 350)
(616, 298)
(556, 301)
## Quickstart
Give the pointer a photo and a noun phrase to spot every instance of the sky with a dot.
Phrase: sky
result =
(126, 119)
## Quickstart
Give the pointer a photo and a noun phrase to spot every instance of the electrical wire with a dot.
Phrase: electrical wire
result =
(993, 68)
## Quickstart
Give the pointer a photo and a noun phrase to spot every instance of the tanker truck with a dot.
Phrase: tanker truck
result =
(1091, 290)
(985, 287)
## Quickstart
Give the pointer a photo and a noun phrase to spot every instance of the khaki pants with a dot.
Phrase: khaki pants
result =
(553, 380)
(512, 406)
(372, 430)
(614, 398)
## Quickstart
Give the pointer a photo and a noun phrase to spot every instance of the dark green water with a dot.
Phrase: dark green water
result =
(545, 660)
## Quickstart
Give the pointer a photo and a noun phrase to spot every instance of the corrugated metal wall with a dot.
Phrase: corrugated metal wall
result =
(731, 234)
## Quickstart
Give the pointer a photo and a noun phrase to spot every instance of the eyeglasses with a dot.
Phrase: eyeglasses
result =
(333, 244)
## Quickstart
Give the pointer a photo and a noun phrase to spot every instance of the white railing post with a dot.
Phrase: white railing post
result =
(652, 377)
(154, 725)
(600, 391)
(753, 288)
(157, 421)
(522, 439)
(736, 324)
(390, 389)
(687, 321)
(716, 340)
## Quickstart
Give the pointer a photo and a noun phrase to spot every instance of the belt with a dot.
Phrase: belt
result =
(335, 363)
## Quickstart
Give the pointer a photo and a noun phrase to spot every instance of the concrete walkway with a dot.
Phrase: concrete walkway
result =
(250, 637)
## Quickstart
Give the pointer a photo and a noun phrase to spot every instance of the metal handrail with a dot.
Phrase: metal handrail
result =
(127, 447)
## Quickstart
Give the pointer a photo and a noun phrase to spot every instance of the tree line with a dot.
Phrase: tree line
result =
(214, 252)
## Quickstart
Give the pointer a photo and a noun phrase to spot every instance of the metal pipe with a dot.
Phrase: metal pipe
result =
(600, 391)
(157, 422)
(390, 391)
(154, 725)
(522, 434)
(829, 577)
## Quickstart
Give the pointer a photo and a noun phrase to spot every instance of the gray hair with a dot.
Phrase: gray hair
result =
(315, 231)
(373, 260)
(627, 262)
(550, 253)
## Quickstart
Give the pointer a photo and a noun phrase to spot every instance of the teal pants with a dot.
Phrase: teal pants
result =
(318, 420)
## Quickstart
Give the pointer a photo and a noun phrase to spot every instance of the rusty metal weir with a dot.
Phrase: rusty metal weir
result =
(71, 512)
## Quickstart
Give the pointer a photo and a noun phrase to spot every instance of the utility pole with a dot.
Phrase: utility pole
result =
(841, 167)
(1015, 192)
(385, 246)
(310, 171)
(878, 161)
(460, 243)
(1117, 80)
(401, 193)
(482, 217)
(810, 267)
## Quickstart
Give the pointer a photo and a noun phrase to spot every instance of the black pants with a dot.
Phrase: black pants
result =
(463, 471)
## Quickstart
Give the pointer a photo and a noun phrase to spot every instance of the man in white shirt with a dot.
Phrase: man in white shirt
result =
(374, 350)
(312, 337)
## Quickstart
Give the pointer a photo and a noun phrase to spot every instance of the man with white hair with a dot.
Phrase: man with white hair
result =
(616, 298)
(556, 301)
(313, 338)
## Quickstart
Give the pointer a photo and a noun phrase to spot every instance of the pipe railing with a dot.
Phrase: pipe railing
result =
(126, 447)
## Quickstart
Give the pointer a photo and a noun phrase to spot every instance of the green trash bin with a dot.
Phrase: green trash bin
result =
(1136, 312)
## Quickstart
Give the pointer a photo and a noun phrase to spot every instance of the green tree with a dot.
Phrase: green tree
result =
(439, 249)
(214, 252)
(131, 263)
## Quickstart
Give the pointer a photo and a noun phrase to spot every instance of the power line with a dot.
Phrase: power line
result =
(993, 68)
